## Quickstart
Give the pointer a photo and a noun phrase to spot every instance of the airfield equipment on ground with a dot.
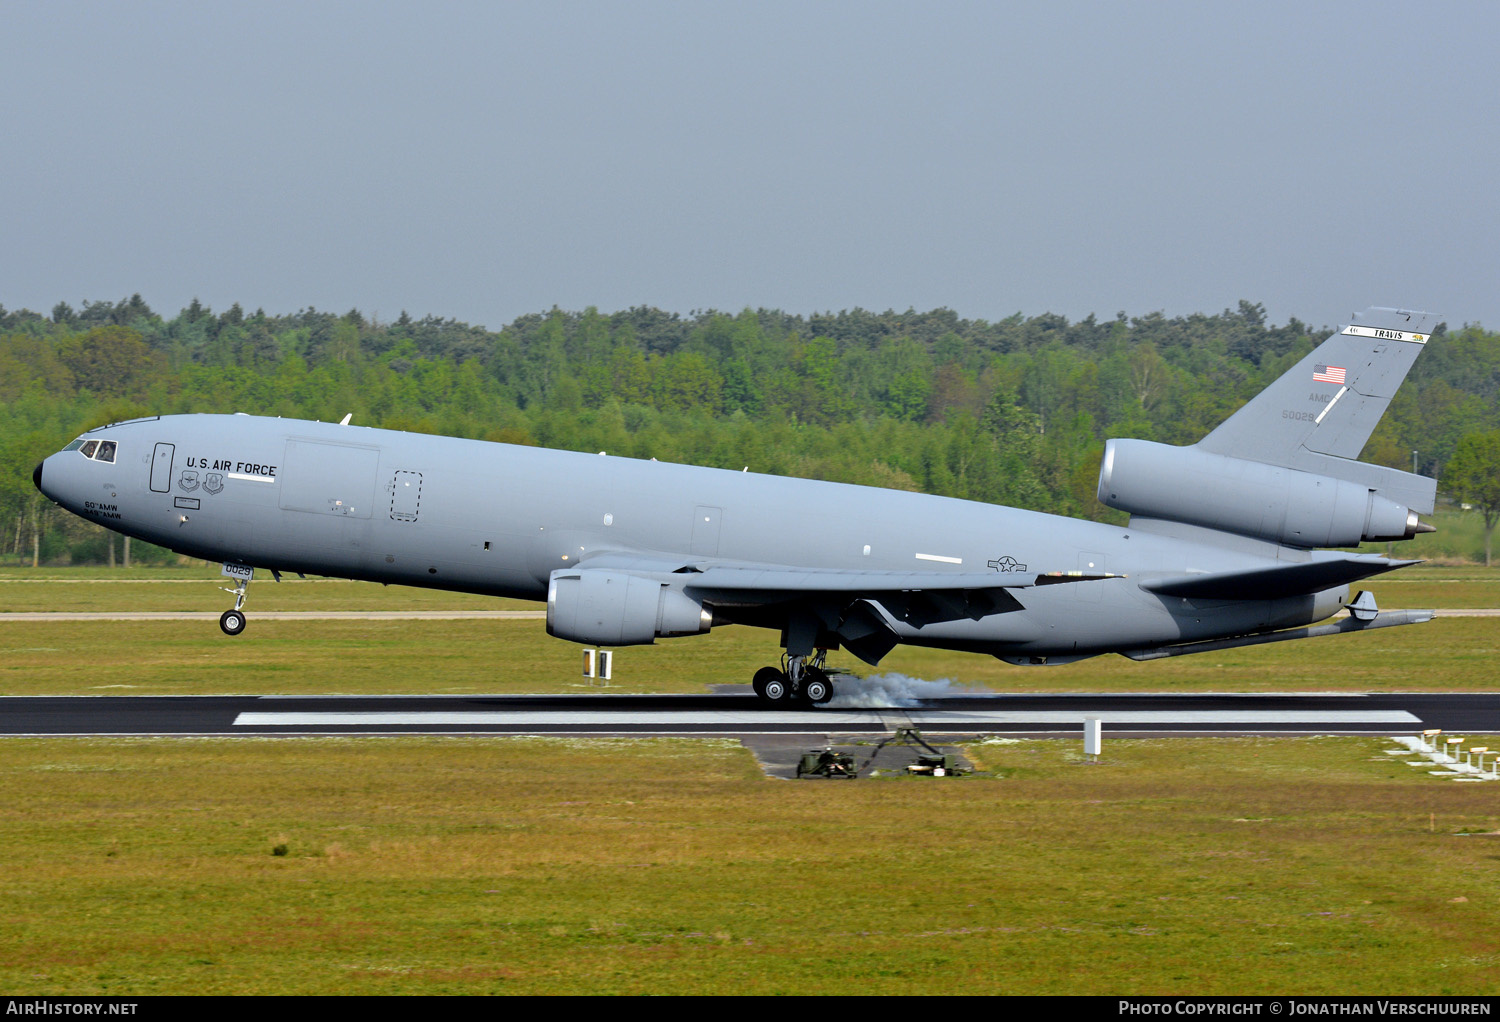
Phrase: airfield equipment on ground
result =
(935, 763)
(826, 763)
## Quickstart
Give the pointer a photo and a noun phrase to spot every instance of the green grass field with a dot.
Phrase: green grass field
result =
(463, 866)
(526, 865)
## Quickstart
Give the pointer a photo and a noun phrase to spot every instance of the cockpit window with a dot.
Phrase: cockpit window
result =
(99, 450)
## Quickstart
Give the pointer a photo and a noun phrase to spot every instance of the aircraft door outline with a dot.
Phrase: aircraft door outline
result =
(706, 522)
(161, 468)
(406, 496)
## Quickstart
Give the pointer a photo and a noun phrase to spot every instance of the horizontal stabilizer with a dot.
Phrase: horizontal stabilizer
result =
(1274, 582)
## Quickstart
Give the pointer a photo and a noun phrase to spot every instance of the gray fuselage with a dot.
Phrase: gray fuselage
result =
(440, 512)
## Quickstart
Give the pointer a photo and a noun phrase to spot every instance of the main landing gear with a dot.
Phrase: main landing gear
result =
(799, 677)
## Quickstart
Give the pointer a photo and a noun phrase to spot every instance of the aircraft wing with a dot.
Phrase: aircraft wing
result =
(1276, 581)
(812, 580)
(754, 584)
(861, 607)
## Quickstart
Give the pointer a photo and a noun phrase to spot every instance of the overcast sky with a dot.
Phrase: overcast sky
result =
(484, 160)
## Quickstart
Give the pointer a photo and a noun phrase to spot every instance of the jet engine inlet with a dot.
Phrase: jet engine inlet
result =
(612, 608)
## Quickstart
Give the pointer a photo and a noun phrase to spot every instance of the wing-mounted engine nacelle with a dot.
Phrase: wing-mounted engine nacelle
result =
(613, 608)
(1185, 484)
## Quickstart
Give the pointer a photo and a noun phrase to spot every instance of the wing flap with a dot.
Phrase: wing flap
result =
(795, 580)
(917, 598)
(834, 580)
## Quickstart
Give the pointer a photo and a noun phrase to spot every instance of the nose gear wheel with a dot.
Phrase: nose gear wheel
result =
(233, 621)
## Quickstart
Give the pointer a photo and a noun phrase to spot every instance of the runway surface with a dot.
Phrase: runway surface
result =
(732, 715)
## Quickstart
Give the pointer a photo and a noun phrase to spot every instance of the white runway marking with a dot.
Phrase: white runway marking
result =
(523, 718)
(1118, 717)
(833, 719)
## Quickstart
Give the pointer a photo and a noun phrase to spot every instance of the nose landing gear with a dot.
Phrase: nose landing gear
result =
(233, 621)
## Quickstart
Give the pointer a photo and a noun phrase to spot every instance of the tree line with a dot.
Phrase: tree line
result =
(1013, 411)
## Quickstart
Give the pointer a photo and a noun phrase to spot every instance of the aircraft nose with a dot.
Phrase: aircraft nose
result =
(36, 475)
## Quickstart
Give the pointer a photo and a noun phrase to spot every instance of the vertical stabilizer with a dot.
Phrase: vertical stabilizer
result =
(1319, 414)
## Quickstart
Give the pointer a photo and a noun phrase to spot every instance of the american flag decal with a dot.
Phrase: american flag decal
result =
(1329, 374)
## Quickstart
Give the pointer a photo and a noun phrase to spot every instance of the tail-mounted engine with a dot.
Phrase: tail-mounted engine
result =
(613, 608)
(1284, 505)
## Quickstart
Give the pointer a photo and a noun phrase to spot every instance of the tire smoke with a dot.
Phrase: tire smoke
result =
(894, 690)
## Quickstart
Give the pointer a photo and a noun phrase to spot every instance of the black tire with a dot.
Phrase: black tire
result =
(232, 621)
(777, 690)
(762, 676)
(817, 687)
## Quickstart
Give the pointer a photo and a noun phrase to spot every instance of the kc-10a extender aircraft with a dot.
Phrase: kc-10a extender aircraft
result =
(1221, 549)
